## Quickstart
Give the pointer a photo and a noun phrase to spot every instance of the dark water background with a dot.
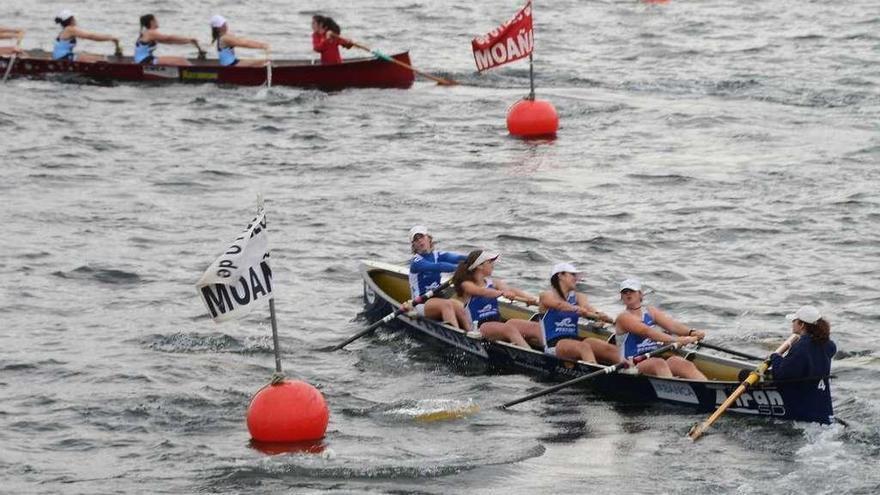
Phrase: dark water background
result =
(725, 152)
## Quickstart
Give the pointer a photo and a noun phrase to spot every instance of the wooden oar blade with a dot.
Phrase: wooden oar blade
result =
(697, 431)
(448, 414)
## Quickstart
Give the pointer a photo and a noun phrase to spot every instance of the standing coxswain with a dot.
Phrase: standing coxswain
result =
(70, 32)
(808, 363)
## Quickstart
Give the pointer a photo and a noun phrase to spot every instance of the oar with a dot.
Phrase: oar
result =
(473, 408)
(118, 52)
(441, 81)
(604, 371)
(268, 70)
(730, 351)
(202, 54)
(394, 314)
(13, 57)
(698, 429)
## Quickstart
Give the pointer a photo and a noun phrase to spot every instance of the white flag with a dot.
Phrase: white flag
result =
(240, 277)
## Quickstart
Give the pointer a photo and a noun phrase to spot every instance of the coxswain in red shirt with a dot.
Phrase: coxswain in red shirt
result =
(325, 39)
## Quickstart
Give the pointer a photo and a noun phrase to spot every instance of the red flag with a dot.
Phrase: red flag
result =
(511, 41)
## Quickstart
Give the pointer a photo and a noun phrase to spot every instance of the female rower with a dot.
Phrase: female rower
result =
(473, 282)
(811, 355)
(425, 269)
(9, 34)
(637, 334)
(226, 44)
(326, 39)
(150, 37)
(559, 326)
(66, 40)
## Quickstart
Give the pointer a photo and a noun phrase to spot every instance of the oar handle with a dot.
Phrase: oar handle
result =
(698, 430)
(730, 351)
(604, 371)
(403, 308)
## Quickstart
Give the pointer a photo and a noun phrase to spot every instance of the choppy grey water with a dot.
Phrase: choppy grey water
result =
(726, 152)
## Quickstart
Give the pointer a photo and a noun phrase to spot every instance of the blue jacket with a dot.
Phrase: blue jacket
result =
(805, 360)
(811, 363)
(425, 270)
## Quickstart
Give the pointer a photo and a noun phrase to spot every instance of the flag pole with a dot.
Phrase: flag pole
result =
(531, 79)
(275, 338)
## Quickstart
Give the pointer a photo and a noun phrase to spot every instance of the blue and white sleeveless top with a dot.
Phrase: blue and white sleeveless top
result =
(143, 52)
(63, 49)
(631, 344)
(558, 324)
(483, 308)
(226, 54)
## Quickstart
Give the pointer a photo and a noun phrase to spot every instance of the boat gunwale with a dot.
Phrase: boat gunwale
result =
(45, 56)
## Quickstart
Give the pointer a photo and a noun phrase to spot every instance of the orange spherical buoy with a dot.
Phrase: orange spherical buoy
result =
(532, 118)
(291, 411)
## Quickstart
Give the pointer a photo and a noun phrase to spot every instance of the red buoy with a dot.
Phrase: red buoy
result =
(532, 118)
(291, 411)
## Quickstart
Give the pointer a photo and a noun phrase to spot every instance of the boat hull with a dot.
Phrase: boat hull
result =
(353, 73)
(385, 286)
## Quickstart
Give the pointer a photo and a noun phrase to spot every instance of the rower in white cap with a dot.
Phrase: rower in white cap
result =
(559, 326)
(637, 333)
(425, 269)
(226, 43)
(66, 40)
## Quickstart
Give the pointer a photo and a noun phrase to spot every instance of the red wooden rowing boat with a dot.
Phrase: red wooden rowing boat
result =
(352, 73)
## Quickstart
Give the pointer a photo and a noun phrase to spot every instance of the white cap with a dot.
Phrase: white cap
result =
(631, 284)
(563, 267)
(418, 229)
(218, 21)
(64, 15)
(806, 314)
(484, 257)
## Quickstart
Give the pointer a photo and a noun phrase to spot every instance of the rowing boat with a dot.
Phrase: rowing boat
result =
(387, 286)
(352, 73)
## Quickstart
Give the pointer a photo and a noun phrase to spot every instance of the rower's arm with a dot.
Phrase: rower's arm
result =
(10, 33)
(231, 40)
(450, 257)
(425, 265)
(592, 312)
(550, 299)
(669, 323)
(79, 33)
(517, 294)
(793, 365)
(171, 39)
(631, 324)
(471, 289)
